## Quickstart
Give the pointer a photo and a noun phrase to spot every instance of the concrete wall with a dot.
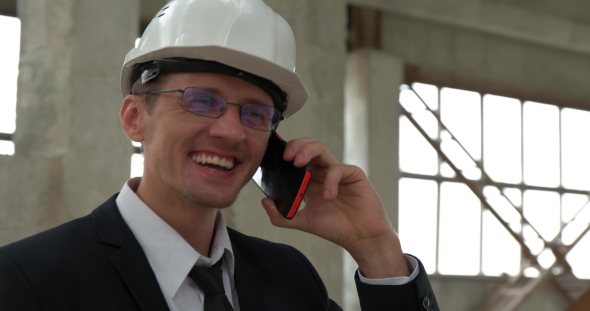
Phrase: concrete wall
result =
(371, 135)
(320, 32)
(71, 153)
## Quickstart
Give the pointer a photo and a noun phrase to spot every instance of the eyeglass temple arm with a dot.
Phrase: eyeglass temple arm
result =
(161, 91)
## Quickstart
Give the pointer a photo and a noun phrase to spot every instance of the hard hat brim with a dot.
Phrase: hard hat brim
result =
(288, 81)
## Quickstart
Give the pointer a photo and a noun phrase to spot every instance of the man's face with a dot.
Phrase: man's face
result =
(175, 140)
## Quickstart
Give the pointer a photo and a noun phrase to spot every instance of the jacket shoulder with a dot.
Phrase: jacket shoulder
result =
(64, 248)
(64, 236)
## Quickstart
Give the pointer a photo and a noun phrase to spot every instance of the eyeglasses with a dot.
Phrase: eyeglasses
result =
(208, 104)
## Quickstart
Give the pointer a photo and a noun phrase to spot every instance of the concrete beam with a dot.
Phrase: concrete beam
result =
(492, 18)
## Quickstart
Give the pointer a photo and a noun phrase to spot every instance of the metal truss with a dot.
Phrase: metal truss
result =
(515, 290)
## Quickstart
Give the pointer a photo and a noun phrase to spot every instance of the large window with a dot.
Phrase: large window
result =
(9, 54)
(536, 154)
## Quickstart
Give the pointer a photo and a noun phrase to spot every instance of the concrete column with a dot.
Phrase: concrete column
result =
(320, 31)
(371, 140)
(71, 153)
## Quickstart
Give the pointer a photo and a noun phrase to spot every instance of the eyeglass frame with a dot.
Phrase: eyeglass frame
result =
(182, 91)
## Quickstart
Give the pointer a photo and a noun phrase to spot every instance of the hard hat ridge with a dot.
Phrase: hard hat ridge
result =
(244, 34)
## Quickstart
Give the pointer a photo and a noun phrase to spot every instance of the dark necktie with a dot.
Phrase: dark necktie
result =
(210, 281)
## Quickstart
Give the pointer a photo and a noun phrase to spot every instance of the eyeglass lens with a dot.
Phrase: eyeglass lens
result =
(208, 104)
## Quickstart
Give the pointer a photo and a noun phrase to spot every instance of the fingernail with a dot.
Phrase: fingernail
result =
(326, 194)
(299, 157)
(289, 151)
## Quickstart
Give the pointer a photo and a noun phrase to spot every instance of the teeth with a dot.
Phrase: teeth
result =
(215, 160)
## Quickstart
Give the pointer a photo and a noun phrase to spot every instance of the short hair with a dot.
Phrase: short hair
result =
(140, 89)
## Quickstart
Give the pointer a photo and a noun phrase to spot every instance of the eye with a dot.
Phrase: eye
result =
(257, 112)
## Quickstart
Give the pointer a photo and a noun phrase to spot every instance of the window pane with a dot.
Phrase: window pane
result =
(572, 231)
(136, 165)
(500, 251)
(428, 93)
(575, 149)
(502, 139)
(417, 219)
(541, 145)
(459, 157)
(9, 53)
(576, 227)
(459, 234)
(6, 147)
(579, 257)
(503, 207)
(532, 240)
(546, 258)
(542, 210)
(571, 204)
(427, 121)
(416, 155)
(461, 114)
(446, 170)
(514, 195)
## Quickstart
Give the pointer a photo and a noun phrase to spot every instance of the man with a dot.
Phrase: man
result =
(208, 83)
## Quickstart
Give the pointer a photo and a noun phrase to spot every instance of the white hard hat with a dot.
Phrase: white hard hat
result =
(243, 34)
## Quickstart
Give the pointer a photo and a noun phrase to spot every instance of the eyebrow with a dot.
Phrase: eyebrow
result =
(248, 100)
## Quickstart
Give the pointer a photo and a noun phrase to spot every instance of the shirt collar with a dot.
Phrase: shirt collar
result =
(169, 255)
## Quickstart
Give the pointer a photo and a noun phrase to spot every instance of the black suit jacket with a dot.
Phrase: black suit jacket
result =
(95, 263)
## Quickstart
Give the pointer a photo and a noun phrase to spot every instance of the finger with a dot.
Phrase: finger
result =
(277, 219)
(316, 154)
(293, 146)
(333, 178)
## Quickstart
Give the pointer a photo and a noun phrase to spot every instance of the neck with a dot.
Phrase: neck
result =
(195, 224)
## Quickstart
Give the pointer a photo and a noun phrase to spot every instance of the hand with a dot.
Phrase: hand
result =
(341, 206)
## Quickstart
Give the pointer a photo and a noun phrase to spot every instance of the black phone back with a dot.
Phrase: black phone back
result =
(280, 180)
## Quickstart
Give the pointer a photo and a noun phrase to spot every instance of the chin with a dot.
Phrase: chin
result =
(208, 201)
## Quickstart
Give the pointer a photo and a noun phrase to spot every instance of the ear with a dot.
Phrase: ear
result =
(132, 114)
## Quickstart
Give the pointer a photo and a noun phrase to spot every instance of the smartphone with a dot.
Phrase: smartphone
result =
(280, 180)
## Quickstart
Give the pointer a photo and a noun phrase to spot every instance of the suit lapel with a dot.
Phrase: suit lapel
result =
(246, 279)
(137, 273)
(130, 261)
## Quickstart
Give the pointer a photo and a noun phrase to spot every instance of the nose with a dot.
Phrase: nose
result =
(229, 125)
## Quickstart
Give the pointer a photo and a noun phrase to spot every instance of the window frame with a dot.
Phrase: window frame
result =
(415, 74)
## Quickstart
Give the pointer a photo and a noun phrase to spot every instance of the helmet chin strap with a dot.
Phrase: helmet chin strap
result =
(151, 70)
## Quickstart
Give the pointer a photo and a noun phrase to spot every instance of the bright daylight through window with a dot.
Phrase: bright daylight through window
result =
(536, 154)
(10, 38)
(136, 158)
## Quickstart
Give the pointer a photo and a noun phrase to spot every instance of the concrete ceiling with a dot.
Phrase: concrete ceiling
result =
(576, 10)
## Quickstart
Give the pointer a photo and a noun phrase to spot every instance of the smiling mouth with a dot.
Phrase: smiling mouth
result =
(214, 162)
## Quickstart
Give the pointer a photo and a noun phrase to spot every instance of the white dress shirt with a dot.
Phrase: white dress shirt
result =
(171, 257)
